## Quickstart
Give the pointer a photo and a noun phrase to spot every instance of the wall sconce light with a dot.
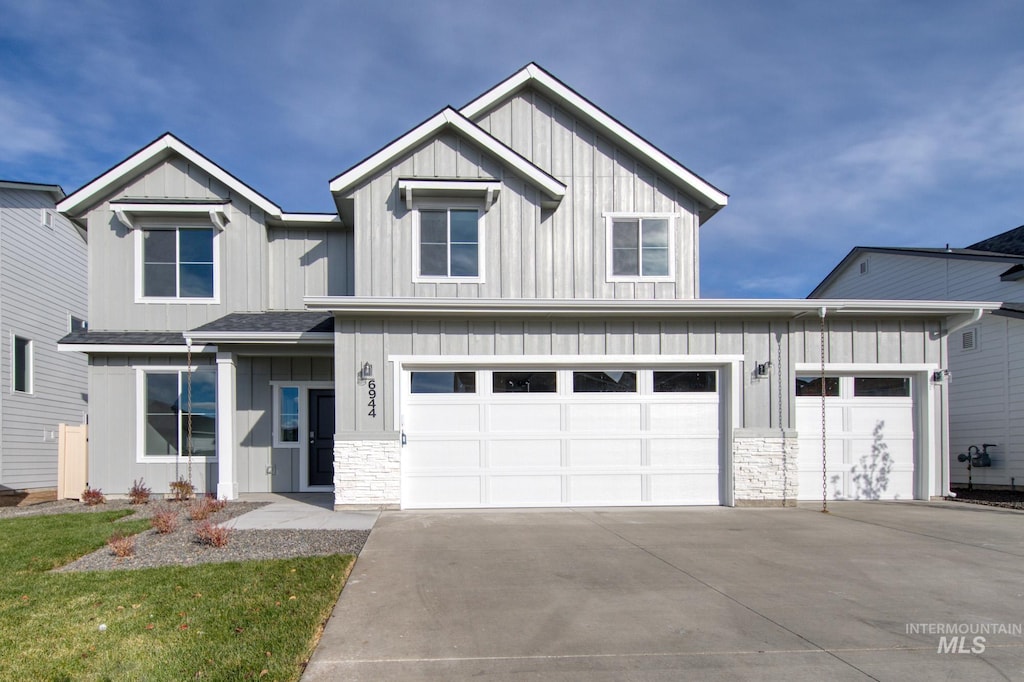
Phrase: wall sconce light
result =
(761, 369)
(940, 375)
(366, 372)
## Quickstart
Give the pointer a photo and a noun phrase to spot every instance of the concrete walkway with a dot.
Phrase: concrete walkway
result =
(314, 511)
(690, 593)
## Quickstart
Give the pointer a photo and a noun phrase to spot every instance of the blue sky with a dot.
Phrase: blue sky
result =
(830, 124)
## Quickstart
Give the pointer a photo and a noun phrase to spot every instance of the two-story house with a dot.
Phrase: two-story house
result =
(503, 311)
(42, 299)
(986, 357)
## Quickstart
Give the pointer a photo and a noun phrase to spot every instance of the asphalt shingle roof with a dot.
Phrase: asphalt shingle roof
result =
(125, 338)
(285, 322)
(1011, 241)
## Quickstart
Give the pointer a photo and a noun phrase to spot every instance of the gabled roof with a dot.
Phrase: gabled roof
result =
(159, 149)
(534, 76)
(448, 118)
(285, 326)
(1011, 241)
(56, 190)
(970, 253)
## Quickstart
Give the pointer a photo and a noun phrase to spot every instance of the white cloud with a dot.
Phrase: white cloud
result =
(27, 129)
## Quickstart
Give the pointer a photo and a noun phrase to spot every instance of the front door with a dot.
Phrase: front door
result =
(321, 437)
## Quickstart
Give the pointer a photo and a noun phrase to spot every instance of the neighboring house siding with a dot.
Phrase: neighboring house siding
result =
(42, 282)
(601, 177)
(309, 262)
(869, 342)
(243, 263)
(987, 383)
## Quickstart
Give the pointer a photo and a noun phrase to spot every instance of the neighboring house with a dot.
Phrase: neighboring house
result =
(42, 299)
(986, 356)
(503, 311)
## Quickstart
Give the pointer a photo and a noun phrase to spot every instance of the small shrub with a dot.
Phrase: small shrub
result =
(93, 496)
(122, 545)
(200, 509)
(139, 493)
(216, 504)
(165, 521)
(182, 490)
(211, 534)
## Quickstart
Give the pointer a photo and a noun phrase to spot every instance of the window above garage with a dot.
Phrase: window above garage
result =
(640, 247)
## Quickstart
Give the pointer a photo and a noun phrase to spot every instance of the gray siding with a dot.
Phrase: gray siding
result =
(243, 257)
(757, 341)
(261, 467)
(309, 262)
(42, 282)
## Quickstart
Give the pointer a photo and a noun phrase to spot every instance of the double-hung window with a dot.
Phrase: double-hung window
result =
(166, 406)
(449, 244)
(640, 247)
(178, 263)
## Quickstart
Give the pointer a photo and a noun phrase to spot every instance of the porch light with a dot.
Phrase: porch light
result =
(366, 372)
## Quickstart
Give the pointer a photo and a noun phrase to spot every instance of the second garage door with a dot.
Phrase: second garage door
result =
(560, 437)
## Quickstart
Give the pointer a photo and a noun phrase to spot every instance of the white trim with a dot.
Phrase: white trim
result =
(302, 445)
(117, 348)
(309, 218)
(610, 219)
(487, 189)
(140, 414)
(151, 153)
(553, 188)
(532, 74)
(224, 418)
(448, 206)
(866, 368)
(176, 226)
(706, 307)
(56, 190)
(219, 214)
(260, 337)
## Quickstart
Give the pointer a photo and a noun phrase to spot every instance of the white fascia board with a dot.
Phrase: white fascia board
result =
(574, 361)
(56, 190)
(864, 368)
(409, 189)
(135, 349)
(447, 117)
(125, 210)
(709, 195)
(261, 337)
(91, 193)
(322, 219)
(367, 306)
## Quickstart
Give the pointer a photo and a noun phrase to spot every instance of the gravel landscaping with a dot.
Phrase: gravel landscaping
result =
(181, 548)
(1007, 499)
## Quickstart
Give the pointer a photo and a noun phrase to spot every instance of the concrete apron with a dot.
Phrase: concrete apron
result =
(684, 593)
(300, 511)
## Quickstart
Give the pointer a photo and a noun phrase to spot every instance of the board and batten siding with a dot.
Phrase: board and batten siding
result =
(758, 341)
(113, 464)
(42, 283)
(309, 262)
(601, 177)
(243, 263)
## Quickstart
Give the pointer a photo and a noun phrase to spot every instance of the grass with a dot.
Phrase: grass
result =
(233, 621)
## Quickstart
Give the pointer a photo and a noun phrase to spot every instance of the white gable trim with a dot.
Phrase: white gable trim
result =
(126, 211)
(448, 117)
(532, 74)
(93, 192)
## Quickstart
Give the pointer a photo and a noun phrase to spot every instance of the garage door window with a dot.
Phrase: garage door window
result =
(811, 386)
(525, 382)
(881, 387)
(684, 382)
(604, 382)
(443, 382)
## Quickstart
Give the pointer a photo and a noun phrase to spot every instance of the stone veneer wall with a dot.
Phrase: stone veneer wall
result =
(764, 464)
(367, 474)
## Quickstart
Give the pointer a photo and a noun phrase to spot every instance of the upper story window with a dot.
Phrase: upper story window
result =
(640, 247)
(449, 244)
(177, 263)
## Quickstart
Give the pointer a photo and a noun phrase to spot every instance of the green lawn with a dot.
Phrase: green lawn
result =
(236, 621)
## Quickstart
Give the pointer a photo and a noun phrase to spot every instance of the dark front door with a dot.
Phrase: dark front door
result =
(321, 437)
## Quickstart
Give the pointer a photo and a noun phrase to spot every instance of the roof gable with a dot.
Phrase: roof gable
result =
(162, 148)
(54, 190)
(534, 76)
(448, 118)
(1011, 241)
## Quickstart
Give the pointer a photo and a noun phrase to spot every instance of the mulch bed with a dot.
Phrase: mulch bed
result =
(1008, 499)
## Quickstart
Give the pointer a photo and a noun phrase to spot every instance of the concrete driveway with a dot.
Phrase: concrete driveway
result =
(865, 592)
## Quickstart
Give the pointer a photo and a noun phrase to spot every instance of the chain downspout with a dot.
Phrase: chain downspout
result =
(824, 458)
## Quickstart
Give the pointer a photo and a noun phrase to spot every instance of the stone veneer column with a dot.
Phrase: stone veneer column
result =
(367, 474)
(764, 465)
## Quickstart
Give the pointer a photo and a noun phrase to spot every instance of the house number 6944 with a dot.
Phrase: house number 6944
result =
(371, 393)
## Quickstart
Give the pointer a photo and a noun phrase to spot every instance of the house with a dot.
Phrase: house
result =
(503, 311)
(986, 356)
(42, 298)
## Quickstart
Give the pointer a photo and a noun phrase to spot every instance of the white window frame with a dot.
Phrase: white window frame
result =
(71, 322)
(140, 411)
(175, 225)
(449, 204)
(29, 364)
(640, 216)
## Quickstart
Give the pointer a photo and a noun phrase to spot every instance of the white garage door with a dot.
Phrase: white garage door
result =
(560, 437)
(869, 426)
